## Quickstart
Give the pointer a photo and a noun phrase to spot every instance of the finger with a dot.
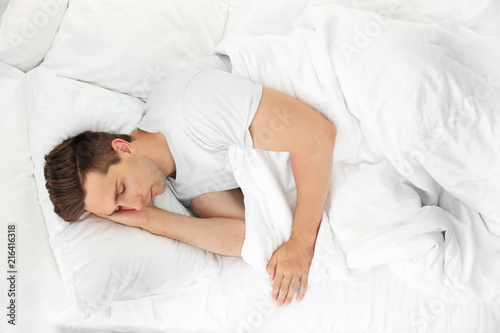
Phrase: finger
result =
(302, 290)
(285, 285)
(276, 286)
(291, 289)
(271, 267)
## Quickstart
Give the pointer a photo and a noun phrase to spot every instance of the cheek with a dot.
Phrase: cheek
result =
(135, 185)
(140, 182)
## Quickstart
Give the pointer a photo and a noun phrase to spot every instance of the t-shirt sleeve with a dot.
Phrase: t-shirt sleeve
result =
(219, 106)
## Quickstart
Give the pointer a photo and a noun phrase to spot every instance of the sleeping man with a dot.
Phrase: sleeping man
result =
(190, 121)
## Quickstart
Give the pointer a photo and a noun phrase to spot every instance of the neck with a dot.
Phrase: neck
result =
(154, 146)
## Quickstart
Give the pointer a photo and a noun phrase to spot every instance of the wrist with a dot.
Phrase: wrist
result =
(149, 217)
(305, 241)
(305, 228)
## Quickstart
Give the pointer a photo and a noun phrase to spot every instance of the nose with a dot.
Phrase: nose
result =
(132, 202)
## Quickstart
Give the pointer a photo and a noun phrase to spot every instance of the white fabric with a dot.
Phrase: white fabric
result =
(38, 292)
(3, 7)
(101, 261)
(408, 100)
(127, 46)
(238, 301)
(27, 30)
(263, 17)
(202, 110)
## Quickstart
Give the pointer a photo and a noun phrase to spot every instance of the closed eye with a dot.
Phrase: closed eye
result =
(116, 200)
(122, 192)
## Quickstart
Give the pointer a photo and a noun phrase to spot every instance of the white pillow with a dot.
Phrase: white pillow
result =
(28, 29)
(102, 261)
(263, 17)
(132, 45)
(38, 279)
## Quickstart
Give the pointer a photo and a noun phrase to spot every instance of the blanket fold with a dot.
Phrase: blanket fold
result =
(415, 180)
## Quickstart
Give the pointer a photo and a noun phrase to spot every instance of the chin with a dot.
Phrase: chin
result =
(162, 189)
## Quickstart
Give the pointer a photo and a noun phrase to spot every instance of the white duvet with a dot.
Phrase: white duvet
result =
(416, 175)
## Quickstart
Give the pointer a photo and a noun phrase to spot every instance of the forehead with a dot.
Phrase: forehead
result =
(100, 190)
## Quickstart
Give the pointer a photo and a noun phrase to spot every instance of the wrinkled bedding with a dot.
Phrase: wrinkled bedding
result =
(415, 181)
(374, 212)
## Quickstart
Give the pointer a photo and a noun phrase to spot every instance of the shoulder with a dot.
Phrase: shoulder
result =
(172, 91)
(167, 98)
(206, 76)
(201, 69)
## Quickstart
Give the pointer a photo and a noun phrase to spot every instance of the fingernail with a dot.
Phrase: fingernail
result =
(299, 299)
(287, 302)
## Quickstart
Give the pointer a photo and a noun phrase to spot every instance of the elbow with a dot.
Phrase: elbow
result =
(321, 140)
(332, 132)
(329, 133)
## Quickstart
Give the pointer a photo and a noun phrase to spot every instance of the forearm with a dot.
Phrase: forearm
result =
(218, 235)
(312, 177)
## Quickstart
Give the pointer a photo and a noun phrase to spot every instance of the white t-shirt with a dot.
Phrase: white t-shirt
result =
(202, 110)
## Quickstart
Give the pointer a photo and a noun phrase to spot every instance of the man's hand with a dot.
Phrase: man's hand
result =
(133, 218)
(288, 266)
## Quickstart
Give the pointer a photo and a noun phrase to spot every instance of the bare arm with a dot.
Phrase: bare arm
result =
(221, 235)
(283, 123)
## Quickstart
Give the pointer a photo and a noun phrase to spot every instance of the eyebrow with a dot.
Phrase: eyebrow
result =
(116, 196)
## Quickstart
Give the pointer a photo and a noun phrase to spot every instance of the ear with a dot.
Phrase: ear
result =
(122, 146)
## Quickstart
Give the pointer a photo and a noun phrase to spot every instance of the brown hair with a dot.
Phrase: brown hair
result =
(67, 165)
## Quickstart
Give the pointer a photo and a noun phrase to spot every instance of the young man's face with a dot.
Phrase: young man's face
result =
(128, 185)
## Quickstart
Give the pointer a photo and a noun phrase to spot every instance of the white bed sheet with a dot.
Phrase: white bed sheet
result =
(239, 302)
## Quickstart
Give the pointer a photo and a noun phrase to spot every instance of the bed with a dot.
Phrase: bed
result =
(410, 237)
